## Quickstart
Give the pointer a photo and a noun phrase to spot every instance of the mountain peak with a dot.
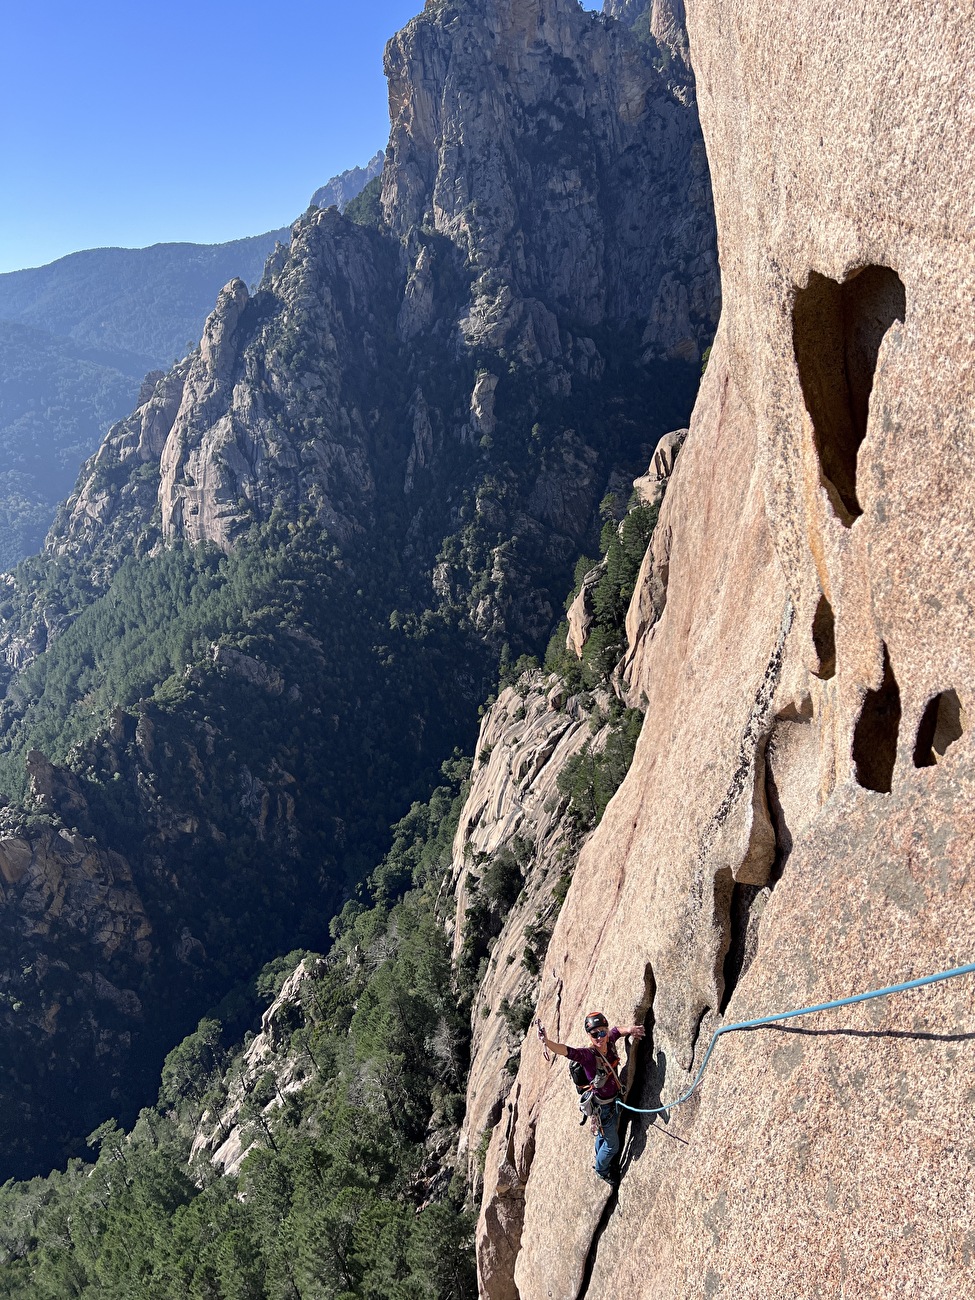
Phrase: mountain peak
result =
(341, 189)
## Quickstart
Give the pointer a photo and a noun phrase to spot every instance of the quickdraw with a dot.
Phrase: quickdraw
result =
(541, 1034)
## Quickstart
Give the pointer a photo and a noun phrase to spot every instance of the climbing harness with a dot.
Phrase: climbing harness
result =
(601, 1078)
(788, 1015)
(594, 1108)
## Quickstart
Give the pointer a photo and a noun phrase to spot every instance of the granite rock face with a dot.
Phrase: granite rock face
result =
(246, 436)
(796, 825)
(650, 590)
(526, 738)
(580, 613)
(520, 142)
(650, 487)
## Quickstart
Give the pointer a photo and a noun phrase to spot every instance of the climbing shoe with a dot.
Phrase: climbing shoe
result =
(612, 1179)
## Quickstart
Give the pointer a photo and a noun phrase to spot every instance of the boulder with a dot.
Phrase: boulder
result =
(15, 858)
(581, 612)
(650, 487)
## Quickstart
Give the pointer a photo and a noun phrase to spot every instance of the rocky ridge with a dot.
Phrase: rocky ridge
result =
(341, 189)
(795, 826)
(515, 805)
(78, 335)
(224, 1138)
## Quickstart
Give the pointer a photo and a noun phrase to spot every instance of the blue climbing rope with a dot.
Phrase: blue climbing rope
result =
(788, 1015)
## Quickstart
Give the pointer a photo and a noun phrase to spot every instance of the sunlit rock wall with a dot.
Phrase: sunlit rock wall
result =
(797, 824)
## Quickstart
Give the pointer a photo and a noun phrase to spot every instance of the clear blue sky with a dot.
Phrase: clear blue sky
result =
(131, 122)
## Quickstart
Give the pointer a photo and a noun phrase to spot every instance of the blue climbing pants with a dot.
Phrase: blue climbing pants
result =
(607, 1142)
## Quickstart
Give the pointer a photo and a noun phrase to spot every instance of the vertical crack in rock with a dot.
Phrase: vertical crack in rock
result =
(756, 730)
(754, 866)
(740, 897)
(495, 1113)
(760, 855)
(700, 1016)
(644, 1077)
(645, 1005)
(608, 1211)
(558, 1001)
(776, 810)
(875, 734)
(837, 330)
(639, 1057)
(942, 723)
(740, 900)
(824, 640)
(503, 1218)
(744, 913)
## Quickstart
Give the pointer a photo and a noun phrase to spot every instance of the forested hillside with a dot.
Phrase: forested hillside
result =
(57, 398)
(227, 725)
(149, 302)
(349, 1100)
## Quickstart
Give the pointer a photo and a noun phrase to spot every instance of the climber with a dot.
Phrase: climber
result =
(601, 1063)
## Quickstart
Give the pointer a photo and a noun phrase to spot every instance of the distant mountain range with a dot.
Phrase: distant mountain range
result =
(77, 337)
(147, 302)
(57, 397)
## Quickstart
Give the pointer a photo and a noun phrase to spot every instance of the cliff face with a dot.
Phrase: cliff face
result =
(520, 142)
(76, 942)
(797, 821)
(514, 806)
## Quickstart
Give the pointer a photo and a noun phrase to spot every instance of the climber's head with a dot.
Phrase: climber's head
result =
(597, 1026)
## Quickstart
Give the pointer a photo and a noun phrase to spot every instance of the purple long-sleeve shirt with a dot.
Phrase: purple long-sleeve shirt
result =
(594, 1065)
